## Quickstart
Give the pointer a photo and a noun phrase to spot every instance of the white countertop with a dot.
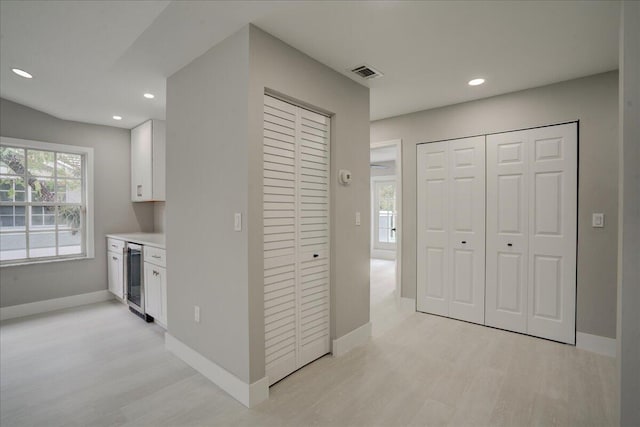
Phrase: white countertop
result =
(149, 239)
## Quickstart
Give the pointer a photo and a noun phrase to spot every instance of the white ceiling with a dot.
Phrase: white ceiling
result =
(94, 59)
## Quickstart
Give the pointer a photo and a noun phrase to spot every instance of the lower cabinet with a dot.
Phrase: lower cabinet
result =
(115, 268)
(155, 292)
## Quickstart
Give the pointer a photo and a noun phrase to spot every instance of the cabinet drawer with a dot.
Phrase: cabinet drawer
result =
(155, 256)
(115, 245)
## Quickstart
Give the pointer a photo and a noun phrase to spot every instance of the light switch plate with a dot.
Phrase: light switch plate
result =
(357, 218)
(237, 222)
(597, 220)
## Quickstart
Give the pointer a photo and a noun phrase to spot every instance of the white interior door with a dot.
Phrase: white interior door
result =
(507, 231)
(280, 228)
(532, 231)
(466, 191)
(296, 237)
(433, 224)
(313, 238)
(553, 166)
(384, 213)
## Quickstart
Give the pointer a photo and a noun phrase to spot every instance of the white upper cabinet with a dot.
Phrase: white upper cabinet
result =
(148, 158)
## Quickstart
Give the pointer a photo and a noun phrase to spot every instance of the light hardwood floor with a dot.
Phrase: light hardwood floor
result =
(98, 365)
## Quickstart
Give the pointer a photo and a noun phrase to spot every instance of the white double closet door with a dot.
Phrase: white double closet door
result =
(532, 196)
(296, 237)
(526, 280)
(451, 199)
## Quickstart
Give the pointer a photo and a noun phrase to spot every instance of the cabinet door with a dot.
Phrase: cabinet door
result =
(152, 290)
(158, 146)
(141, 161)
(115, 272)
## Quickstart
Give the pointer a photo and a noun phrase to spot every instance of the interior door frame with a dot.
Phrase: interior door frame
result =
(397, 143)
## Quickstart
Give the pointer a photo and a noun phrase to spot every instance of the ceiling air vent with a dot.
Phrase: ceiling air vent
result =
(366, 72)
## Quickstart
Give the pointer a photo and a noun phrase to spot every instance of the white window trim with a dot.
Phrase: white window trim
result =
(89, 215)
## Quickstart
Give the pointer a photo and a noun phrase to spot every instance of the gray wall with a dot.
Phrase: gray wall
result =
(114, 211)
(278, 67)
(207, 181)
(592, 100)
(214, 168)
(629, 249)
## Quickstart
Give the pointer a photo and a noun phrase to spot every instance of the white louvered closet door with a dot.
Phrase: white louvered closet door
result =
(296, 237)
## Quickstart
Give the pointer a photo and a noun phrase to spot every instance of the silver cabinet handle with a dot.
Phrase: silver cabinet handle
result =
(139, 190)
(115, 258)
(156, 256)
(114, 246)
(156, 273)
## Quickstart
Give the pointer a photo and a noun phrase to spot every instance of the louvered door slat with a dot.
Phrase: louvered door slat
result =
(296, 236)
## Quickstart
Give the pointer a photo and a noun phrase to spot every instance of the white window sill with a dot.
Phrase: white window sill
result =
(44, 261)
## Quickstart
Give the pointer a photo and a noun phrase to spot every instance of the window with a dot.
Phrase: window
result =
(45, 202)
(384, 213)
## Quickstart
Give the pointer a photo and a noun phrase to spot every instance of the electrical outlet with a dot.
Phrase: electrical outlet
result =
(196, 313)
(597, 220)
(357, 218)
(237, 222)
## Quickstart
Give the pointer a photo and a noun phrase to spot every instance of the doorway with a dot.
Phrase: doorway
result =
(386, 234)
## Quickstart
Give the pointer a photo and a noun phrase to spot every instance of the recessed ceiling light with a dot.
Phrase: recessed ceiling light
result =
(149, 95)
(117, 117)
(476, 82)
(22, 73)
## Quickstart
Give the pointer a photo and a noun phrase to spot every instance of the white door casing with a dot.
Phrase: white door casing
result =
(296, 237)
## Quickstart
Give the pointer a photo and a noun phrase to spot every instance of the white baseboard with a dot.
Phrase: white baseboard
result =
(45, 306)
(247, 394)
(407, 304)
(353, 339)
(597, 344)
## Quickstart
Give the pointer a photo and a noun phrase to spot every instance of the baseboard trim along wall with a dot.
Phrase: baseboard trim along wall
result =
(353, 339)
(247, 394)
(596, 344)
(408, 304)
(21, 310)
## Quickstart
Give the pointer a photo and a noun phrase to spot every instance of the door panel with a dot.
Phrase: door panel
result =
(432, 223)
(451, 228)
(384, 213)
(553, 232)
(467, 229)
(507, 230)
